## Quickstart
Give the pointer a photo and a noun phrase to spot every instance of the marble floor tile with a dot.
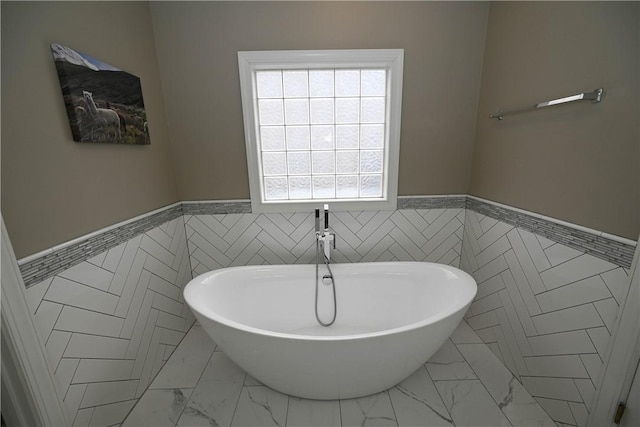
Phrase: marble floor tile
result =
(448, 364)
(374, 410)
(313, 413)
(417, 403)
(463, 384)
(188, 361)
(470, 404)
(214, 399)
(261, 406)
(465, 335)
(107, 415)
(512, 398)
(158, 408)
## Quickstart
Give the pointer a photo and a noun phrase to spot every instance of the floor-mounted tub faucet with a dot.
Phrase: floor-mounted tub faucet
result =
(326, 238)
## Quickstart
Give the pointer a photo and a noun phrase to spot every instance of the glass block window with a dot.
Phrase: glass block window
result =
(321, 131)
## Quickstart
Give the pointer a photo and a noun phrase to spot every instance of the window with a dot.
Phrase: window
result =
(322, 126)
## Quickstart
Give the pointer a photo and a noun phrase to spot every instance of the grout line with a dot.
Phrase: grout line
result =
(519, 320)
(492, 293)
(519, 230)
(582, 252)
(562, 378)
(499, 273)
(235, 408)
(526, 285)
(72, 383)
(169, 283)
(444, 403)
(53, 327)
(513, 377)
(65, 348)
(84, 309)
(83, 284)
(136, 286)
(498, 254)
(42, 299)
(165, 233)
(517, 289)
(574, 306)
(137, 399)
(286, 414)
(124, 359)
(603, 322)
(128, 270)
(580, 280)
(556, 355)
(157, 259)
(506, 351)
(119, 259)
(524, 273)
(393, 409)
(211, 243)
(561, 400)
(586, 331)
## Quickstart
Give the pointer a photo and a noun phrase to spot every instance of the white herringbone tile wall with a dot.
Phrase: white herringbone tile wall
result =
(109, 323)
(546, 311)
(217, 241)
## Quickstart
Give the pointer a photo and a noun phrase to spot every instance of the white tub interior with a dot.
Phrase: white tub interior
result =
(370, 299)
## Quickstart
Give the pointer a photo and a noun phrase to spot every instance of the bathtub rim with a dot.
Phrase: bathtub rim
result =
(225, 321)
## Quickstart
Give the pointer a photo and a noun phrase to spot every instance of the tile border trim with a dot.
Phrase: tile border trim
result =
(216, 207)
(614, 249)
(452, 201)
(42, 265)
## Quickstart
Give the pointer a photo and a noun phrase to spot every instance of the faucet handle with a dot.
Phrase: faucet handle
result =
(326, 216)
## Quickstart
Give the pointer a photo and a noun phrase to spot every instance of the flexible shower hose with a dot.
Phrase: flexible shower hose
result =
(333, 283)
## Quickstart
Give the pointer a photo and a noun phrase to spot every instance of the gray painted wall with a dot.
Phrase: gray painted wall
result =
(55, 189)
(579, 162)
(197, 51)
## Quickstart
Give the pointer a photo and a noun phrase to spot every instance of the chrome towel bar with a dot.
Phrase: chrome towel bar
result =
(594, 97)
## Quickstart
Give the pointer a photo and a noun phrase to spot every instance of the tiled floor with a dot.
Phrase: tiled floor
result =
(463, 384)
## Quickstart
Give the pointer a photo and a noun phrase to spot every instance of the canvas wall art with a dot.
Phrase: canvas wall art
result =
(104, 103)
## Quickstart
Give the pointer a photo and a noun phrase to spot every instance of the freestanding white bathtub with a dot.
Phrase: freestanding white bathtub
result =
(391, 318)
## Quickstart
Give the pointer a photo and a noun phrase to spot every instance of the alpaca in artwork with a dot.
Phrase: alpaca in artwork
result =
(102, 117)
(81, 112)
(84, 122)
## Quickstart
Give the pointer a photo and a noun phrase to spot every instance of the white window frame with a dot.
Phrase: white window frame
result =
(392, 60)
